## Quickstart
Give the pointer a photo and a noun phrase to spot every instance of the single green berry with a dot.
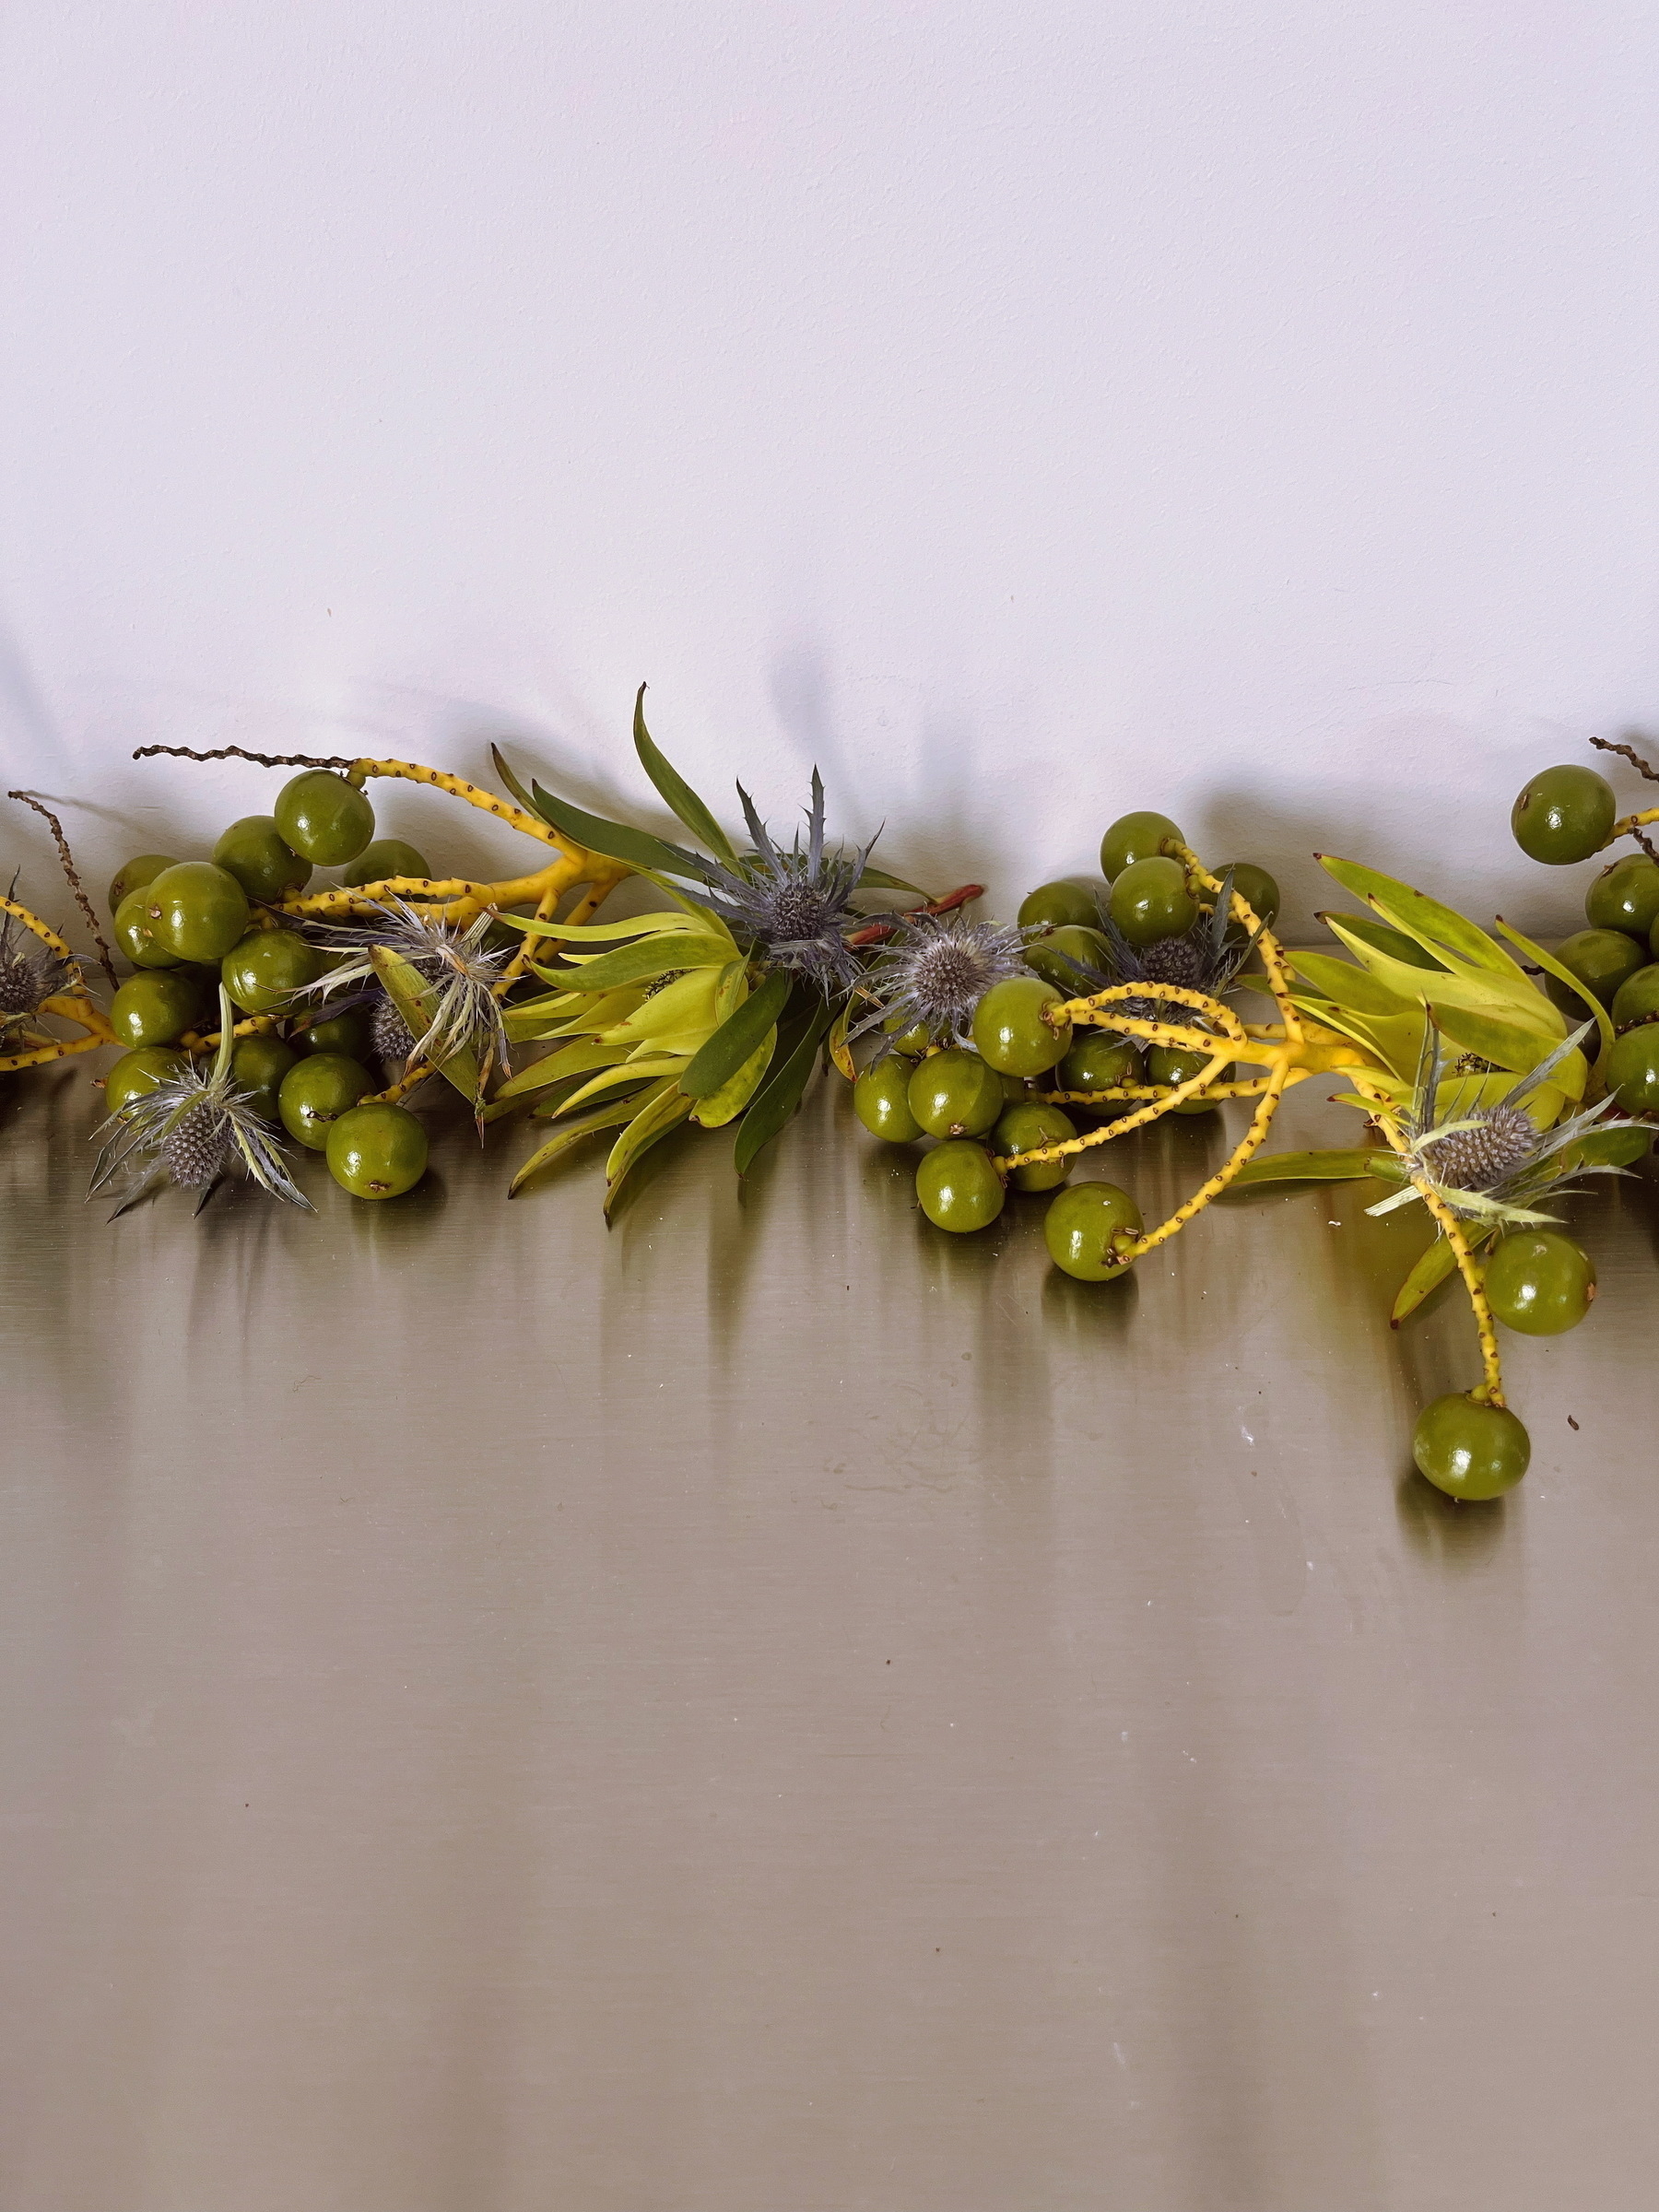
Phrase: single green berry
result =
(263, 972)
(1602, 959)
(196, 910)
(1010, 1028)
(1136, 837)
(1031, 1125)
(1059, 906)
(1091, 1230)
(253, 850)
(1256, 888)
(157, 1008)
(1634, 1069)
(1057, 957)
(1470, 1450)
(1637, 999)
(1539, 1282)
(1563, 815)
(911, 1042)
(957, 1186)
(324, 818)
(1097, 1061)
(376, 1151)
(1176, 1064)
(1150, 900)
(954, 1094)
(134, 1073)
(257, 1067)
(1624, 896)
(135, 936)
(137, 874)
(384, 858)
(348, 1034)
(316, 1091)
(881, 1100)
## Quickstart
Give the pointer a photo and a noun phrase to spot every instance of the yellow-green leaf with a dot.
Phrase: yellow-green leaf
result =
(665, 1115)
(1551, 966)
(417, 1003)
(567, 1140)
(1430, 1273)
(734, 1094)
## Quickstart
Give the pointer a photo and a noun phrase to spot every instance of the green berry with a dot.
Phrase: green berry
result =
(1031, 1126)
(253, 850)
(1089, 1229)
(1637, 999)
(134, 934)
(257, 1067)
(386, 857)
(881, 1100)
(1624, 896)
(324, 818)
(376, 1151)
(1010, 1029)
(912, 1042)
(157, 1008)
(1057, 957)
(347, 1034)
(1097, 1061)
(1136, 837)
(316, 1091)
(263, 972)
(954, 1094)
(1150, 900)
(958, 1188)
(1539, 1282)
(1603, 960)
(1256, 888)
(1470, 1452)
(1634, 1069)
(1059, 906)
(1176, 1064)
(196, 910)
(134, 1073)
(137, 874)
(1563, 815)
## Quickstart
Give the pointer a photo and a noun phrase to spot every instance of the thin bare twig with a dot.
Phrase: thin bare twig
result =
(235, 752)
(878, 932)
(1628, 752)
(106, 959)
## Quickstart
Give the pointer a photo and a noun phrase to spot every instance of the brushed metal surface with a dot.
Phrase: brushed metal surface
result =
(776, 1708)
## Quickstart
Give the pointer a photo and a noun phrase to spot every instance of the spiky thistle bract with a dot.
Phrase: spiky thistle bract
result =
(934, 971)
(461, 971)
(31, 973)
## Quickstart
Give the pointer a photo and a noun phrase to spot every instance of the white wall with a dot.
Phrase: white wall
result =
(1025, 411)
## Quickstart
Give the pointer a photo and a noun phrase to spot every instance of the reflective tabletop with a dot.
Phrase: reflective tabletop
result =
(772, 1708)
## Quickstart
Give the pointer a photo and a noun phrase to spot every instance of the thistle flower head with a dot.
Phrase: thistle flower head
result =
(936, 969)
(790, 906)
(192, 1129)
(1202, 958)
(30, 972)
(462, 971)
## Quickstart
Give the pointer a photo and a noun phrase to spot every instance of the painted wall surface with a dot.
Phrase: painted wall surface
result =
(1024, 412)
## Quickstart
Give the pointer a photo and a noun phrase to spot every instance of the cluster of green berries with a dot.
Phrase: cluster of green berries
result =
(188, 926)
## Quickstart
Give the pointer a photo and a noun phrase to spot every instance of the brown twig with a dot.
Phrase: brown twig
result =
(106, 959)
(1628, 752)
(878, 932)
(235, 752)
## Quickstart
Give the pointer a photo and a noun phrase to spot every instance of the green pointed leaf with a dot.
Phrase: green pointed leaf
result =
(512, 782)
(780, 1096)
(1507, 1046)
(1348, 985)
(1551, 966)
(579, 1059)
(1393, 941)
(736, 1038)
(1481, 993)
(650, 958)
(1439, 929)
(672, 786)
(417, 1003)
(616, 841)
(599, 933)
(1431, 1272)
(665, 1115)
(567, 1140)
(1313, 1167)
(629, 1071)
(734, 1095)
(877, 879)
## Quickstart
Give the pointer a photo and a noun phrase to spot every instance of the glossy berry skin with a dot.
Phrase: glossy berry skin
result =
(257, 1067)
(1603, 960)
(137, 874)
(1136, 837)
(134, 1073)
(264, 972)
(1540, 1282)
(1624, 896)
(1100, 1062)
(1470, 1452)
(1634, 1069)
(1029, 1127)
(953, 1094)
(1255, 887)
(912, 1042)
(1009, 1029)
(1058, 906)
(1637, 999)
(156, 1009)
(1563, 815)
(1150, 900)
(1087, 1228)
(324, 818)
(253, 850)
(1173, 1064)
(386, 857)
(377, 1151)
(881, 1100)
(134, 935)
(1048, 956)
(316, 1091)
(347, 1034)
(957, 1187)
(196, 910)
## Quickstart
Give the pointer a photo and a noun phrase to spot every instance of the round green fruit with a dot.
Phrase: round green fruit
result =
(257, 1067)
(376, 1151)
(953, 1094)
(913, 1041)
(1057, 957)
(347, 1034)
(1624, 896)
(134, 1073)
(196, 910)
(1010, 1030)
(265, 970)
(384, 858)
(958, 1188)
(1176, 1064)
(1136, 837)
(156, 1009)
(1563, 815)
(316, 1091)
(1031, 1126)
(253, 850)
(1470, 1452)
(324, 818)
(1256, 888)
(1059, 906)
(137, 874)
(1150, 900)
(1539, 1282)
(1098, 1061)
(1090, 1228)
(134, 933)
(1637, 999)
(881, 1100)
(1634, 1069)
(1603, 960)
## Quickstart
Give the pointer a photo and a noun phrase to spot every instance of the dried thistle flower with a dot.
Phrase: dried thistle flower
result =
(1204, 958)
(463, 972)
(934, 972)
(31, 973)
(792, 907)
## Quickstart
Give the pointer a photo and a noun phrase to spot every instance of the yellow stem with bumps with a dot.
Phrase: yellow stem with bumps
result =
(78, 1006)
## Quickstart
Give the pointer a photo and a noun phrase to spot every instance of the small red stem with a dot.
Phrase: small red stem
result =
(880, 932)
